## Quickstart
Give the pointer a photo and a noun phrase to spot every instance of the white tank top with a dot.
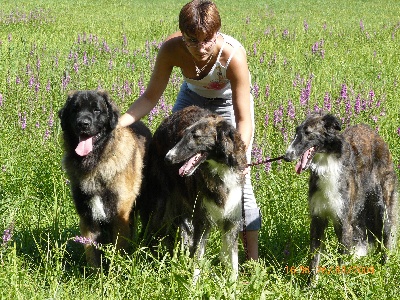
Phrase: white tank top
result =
(215, 84)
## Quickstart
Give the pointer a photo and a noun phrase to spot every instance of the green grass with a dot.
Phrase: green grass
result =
(50, 47)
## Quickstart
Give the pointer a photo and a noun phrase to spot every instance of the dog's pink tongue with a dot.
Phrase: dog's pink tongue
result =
(84, 147)
(188, 165)
(301, 164)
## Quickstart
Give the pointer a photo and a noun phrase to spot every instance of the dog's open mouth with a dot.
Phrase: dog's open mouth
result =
(192, 163)
(85, 145)
(305, 160)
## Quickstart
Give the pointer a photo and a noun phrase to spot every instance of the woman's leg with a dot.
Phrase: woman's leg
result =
(252, 215)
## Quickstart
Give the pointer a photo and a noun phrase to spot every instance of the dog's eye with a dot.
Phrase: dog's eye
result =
(75, 108)
(307, 131)
(197, 134)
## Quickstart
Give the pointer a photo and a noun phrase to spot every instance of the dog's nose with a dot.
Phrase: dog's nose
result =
(167, 160)
(169, 157)
(84, 123)
(286, 158)
(289, 156)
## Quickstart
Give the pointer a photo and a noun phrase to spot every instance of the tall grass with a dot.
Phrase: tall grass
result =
(303, 55)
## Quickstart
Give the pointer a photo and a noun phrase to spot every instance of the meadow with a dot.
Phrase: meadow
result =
(338, 56)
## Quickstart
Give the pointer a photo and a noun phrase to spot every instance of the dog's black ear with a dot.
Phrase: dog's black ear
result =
(113, 111)
(229, 144)
(331, 123)
(63, 112)
(225, 143)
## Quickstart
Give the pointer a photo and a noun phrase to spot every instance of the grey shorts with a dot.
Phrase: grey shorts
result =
(224, 108)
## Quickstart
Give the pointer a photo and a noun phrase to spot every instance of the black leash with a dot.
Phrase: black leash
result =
(265, 161)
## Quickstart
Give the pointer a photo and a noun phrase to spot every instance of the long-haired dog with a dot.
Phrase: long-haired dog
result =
(104, 166)
(352, 182)
(194, 182)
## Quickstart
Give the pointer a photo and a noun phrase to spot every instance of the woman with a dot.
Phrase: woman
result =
(216, 77)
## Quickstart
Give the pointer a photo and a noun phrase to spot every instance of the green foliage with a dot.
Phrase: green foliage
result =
(302, 55)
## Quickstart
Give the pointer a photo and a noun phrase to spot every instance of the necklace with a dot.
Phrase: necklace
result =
(198, 70)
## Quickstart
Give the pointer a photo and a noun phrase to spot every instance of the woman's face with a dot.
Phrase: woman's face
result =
(200, 46)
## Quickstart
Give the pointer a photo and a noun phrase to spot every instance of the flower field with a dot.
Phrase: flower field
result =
(303, 56)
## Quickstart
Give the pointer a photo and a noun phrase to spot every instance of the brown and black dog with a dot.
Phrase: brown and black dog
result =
(352, 182)
(194, 182)
(104, 166)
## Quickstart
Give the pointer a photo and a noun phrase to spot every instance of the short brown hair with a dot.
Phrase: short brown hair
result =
(199, 16)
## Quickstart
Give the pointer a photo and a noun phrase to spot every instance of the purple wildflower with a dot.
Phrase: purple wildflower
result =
(357, 105)
(327, 102)
(1, 100)
(273, 60)
(76, 67)
(48, 86)
(31, 81)
(125, 40)
(141, 87)
(291, 110)
(285, 33)
(22, 119)
(106, 48)
(126, 87)
(85, 241)
(256, 154)
(46, 134)
(7, 235)
(371, 98)
(305, 93)
(398, 131)
(267, 88)
(348, 108)
(343, 92)
(305, 25)
(278, 115)
(65, 81)
(262, 58)
(85, 58)
(314, 48)
(256, 90)
(51, 120)
(266, 120)
(267, 166)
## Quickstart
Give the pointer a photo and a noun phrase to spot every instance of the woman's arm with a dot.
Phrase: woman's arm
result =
(238, 74)
(156, 86)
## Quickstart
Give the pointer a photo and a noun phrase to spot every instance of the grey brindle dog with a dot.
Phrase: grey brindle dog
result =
(352, 182)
